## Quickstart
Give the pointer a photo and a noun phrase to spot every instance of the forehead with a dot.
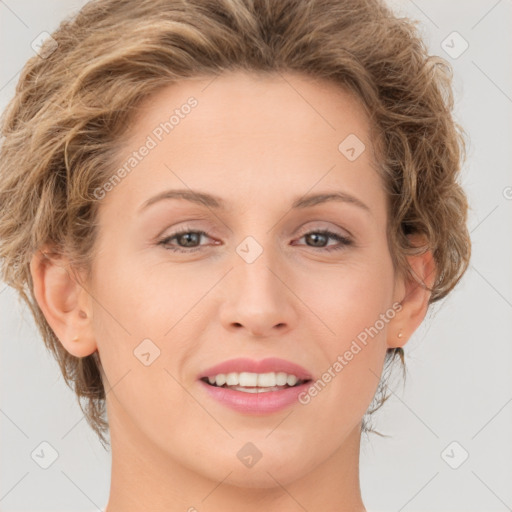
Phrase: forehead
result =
(255, 103)
(249, 135)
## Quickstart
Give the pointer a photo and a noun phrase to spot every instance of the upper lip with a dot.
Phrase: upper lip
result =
(271, 364)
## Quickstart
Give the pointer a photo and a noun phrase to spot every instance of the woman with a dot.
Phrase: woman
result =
(228, 218)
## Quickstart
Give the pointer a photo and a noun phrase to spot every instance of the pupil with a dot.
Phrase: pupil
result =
(317, 236)
(187, 236)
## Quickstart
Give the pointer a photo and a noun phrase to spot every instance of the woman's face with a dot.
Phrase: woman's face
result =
(261, 282)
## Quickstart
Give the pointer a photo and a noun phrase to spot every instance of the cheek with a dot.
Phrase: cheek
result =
(144, 322)
(141, 301)
(355, 302)
(133, 312)
(350, 298)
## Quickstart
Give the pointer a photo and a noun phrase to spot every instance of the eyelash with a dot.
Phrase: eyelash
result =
(345, 241)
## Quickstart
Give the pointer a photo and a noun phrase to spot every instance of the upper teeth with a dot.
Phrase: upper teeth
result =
(254, 379)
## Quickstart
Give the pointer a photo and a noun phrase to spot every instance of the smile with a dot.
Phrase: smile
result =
(255, 387)
(248, 382)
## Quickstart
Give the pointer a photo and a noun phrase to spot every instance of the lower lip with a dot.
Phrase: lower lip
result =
(255, 403)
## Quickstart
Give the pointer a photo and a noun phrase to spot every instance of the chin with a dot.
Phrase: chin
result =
(268, 472)
(260, 479)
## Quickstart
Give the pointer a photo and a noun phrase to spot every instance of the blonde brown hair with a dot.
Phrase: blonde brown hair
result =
(74, 102)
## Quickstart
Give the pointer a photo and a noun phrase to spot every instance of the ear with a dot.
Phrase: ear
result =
(413, 294)
(64, 302)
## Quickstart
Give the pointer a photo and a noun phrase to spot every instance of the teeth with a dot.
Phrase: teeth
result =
(255, 390)
(232, 379)
(291, 380)
(252, 380)
(266, 380)
(281, 378)
(248, 379)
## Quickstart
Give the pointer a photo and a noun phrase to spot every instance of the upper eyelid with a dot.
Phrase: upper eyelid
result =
(210, 227)
(304, 230)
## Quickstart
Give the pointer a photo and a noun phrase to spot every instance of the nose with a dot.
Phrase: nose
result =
(259, 298)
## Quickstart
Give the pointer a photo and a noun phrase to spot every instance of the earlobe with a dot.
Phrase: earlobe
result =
(415, 291)
(63, 302)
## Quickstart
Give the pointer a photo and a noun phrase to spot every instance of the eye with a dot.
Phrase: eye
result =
(321, 237)
(187, 237)
(189, 240)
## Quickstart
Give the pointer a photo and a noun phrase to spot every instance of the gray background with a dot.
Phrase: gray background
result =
(459, 362)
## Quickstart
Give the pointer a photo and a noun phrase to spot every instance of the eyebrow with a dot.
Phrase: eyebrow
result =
(218, 203)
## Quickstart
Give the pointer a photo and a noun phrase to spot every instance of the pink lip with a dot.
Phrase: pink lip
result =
(256, 403)
(271, 364)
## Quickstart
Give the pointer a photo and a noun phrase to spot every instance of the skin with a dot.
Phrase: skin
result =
(258, 143)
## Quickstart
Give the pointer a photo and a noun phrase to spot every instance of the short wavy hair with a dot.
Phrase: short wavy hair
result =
(75, 100)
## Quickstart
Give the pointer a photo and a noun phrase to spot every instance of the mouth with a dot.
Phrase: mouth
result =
(248, 382)
(255, 387)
